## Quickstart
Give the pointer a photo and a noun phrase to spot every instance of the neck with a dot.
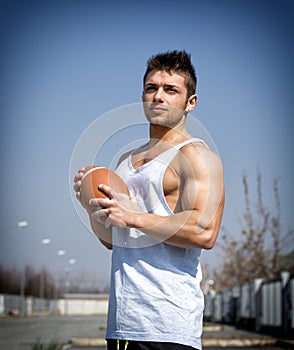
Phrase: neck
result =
(171, 135)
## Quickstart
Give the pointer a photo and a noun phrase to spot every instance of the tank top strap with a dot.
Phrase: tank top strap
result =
(168, 155)
(186, 142)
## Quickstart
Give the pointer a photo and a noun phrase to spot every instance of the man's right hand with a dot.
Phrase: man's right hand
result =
(77, 188)
(104, 234)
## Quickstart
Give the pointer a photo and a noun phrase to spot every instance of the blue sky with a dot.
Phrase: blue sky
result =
(65, 63)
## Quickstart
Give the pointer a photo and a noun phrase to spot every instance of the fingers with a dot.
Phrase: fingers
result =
(79, 174)
(103, 208)
(101, 202)
(101, 215)
(134, 199)
(107, 190)
(77, 179)
(77, 186)
(116, 211)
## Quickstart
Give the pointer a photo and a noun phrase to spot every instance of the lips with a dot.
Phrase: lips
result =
(158, 108)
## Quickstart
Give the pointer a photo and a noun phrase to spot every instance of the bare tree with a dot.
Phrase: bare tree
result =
(275, 230)
(10, 281)
(256, 252)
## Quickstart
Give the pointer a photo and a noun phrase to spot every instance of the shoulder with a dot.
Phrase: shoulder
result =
(200, 159)
(123, 157)
(198, 150)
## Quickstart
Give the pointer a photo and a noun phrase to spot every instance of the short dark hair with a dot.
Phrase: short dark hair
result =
(174, 61)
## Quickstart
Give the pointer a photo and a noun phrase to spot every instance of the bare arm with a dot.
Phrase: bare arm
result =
(202, 202)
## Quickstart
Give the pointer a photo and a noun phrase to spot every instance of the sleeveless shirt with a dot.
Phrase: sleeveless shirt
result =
(155, 290)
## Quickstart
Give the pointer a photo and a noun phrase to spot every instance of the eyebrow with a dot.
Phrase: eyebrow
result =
(165, 85)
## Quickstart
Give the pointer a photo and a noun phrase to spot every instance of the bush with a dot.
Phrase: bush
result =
(52, 345)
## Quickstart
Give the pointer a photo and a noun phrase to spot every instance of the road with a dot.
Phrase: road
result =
(20, 333)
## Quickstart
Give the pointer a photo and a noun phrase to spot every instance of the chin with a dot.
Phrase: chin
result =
(155, 120)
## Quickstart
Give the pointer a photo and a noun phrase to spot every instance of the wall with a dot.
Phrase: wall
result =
(69, 305)
(260, 305)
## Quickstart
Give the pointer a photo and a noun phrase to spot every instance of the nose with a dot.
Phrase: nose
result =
(159, 95)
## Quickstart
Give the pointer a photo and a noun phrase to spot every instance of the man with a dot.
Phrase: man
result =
(175, 210)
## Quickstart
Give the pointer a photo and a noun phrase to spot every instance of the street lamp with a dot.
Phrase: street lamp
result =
(61, 252)
(45, 241)
(22, 224)
(71, 261)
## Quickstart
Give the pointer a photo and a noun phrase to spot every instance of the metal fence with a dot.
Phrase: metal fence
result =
(70, 304)
(260, 305)
(26, 306)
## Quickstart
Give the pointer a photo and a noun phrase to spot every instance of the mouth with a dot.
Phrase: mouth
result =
(158, 108)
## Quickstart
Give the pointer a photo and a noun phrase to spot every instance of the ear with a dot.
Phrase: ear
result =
(191, 103)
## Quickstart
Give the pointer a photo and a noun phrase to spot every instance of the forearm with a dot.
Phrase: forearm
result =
(191, 228)
(185, 229)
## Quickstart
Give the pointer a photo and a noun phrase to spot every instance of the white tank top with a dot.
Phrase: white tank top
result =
(155, 290)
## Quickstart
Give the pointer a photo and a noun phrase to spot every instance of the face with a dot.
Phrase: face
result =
(165, 98)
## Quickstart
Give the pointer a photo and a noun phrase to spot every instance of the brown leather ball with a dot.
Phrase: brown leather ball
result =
(96, 175)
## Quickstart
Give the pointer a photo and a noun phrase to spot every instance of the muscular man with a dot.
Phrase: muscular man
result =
(175, 211)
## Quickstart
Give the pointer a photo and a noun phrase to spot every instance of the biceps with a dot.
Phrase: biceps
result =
(194, 196)
(204, 195)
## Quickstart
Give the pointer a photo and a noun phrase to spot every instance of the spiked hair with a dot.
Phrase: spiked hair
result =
(174, 61)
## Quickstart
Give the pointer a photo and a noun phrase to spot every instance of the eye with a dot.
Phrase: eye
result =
(150, 89)
(171, 89)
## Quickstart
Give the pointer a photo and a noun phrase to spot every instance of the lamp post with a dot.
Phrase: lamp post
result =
(67, 284)
(61, 252)
(22, 224)
(45, 241)
(66, 288)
